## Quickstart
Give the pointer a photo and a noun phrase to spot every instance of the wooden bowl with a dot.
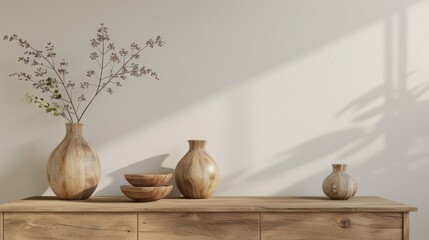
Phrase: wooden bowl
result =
(148, 179)
(146, 194)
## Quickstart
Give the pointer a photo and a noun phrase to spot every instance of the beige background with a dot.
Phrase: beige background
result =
(280, 89)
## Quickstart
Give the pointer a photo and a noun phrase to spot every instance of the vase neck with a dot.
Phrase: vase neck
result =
(197, 144)
(74, 129)
(339, 167)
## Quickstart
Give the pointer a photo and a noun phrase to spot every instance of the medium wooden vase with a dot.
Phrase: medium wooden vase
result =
(339, 185)
(197, 174)
(73, 166)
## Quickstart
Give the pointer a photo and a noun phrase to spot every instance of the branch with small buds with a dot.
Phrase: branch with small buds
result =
(119, 65)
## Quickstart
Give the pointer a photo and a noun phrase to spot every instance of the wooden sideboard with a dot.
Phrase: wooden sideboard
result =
(248, 218)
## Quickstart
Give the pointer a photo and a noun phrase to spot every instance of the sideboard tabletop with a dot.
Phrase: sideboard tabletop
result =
(213, 204)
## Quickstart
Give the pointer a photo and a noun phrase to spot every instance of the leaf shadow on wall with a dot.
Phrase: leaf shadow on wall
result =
(149, 165)
(302, 157)
(404, 130)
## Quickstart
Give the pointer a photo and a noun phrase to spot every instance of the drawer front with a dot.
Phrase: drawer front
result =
(67, 226)
(198, 226)
(332, 226)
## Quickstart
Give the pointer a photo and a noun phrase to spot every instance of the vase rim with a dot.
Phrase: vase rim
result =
(197, 140)
(80, 124)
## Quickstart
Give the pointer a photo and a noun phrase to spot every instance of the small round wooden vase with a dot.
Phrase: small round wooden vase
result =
(197, 174)
(73, 166)
(339, 185)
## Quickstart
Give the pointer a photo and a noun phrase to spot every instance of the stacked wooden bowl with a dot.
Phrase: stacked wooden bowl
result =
(146, 187)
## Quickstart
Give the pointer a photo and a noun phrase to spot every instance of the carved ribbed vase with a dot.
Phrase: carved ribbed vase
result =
(197, 174)
(73, 166)
(339, 185)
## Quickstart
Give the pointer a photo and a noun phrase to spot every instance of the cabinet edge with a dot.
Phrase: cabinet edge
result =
(405, 226)
(1, 226)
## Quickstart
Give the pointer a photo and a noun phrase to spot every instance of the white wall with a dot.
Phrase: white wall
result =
(280, 89)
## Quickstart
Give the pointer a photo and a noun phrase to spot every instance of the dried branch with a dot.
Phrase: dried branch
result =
(60, 105)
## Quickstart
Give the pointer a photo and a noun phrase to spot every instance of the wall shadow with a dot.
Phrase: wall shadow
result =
(149, 165)
(311, 151)
(229, 182)
(296, 28)
(25, 175)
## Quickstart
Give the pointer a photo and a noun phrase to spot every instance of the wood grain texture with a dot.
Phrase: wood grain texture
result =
(214, 204)
(73, 166)
(339, 185)
(197, 174)
(146, 194)
(333, 226)
(1, 226)
(70, 226)
(148, 179)
(406, 226)
(198, 226)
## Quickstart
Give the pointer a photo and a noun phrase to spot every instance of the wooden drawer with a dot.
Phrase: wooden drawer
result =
(332, 226)
(198, 226)
(66, 226)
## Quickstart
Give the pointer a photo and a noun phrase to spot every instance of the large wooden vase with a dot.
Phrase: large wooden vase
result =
(73, 166)
(339, 185)
(197, 174)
